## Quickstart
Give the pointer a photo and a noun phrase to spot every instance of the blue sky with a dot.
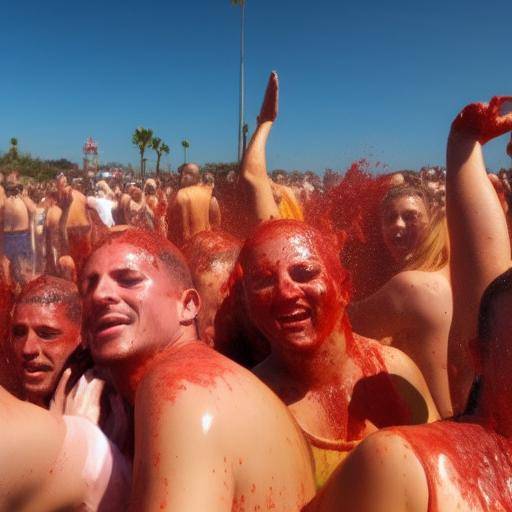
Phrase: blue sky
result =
(373, 79)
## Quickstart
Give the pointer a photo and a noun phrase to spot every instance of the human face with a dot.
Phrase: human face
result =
(131, 304)
(189, 175)
(43, 338)
(290, 295)
(404, 223)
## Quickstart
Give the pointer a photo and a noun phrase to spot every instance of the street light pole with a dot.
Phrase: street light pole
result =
(242, 81)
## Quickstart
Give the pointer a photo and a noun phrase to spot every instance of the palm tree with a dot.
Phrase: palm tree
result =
(160, 148)
(13, 150)
(142, 138)
(186, 144)
(241, 3)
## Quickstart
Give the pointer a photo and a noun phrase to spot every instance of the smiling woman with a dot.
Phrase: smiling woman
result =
(339, 387)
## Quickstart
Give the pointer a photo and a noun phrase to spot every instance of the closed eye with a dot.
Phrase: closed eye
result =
(304, 273)
(262, 281)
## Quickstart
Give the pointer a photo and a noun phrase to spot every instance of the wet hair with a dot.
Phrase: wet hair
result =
(207, 248)
(166, 252)
(48, 289)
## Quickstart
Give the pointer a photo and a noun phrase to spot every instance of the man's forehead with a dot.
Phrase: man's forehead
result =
(40, 312)
(117, 255)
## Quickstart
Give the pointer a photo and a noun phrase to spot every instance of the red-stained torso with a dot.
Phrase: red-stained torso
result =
(239, 441)
(468, 467)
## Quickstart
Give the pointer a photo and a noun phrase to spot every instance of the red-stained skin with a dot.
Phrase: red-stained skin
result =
(485, 121)
(43, 338)
(7, 377)
(288, 269)
(478, 462)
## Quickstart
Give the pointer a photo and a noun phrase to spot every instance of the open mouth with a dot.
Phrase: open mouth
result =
(34, 370)
(110, 324)
(294, 319)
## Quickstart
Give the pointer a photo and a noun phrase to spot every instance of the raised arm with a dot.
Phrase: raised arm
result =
(253, 171)
(480, 245)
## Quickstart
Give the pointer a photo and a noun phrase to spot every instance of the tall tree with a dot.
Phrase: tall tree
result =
(241, 3)
(186, 144)
(142, 138)
(160, 148)
(13, 150)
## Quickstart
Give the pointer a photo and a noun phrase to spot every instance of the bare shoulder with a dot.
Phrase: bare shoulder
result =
(414, 282)
(191, 370)
(383, 473)
(424, 294)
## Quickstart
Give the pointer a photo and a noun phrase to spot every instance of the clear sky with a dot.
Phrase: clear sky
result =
(373, 79)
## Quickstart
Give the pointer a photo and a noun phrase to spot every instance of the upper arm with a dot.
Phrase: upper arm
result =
(479, 252)
(409, 382)
(214, 213)
(180, 463)
(381, 474)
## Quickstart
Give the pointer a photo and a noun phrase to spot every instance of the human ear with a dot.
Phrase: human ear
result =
(190, 305)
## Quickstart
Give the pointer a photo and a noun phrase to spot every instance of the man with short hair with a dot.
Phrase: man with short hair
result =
(197, 414)
(194, 209)
(45, 331)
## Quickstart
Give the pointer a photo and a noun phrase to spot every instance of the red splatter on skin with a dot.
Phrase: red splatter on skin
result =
(367, 394)
(478, 462)
(193, 363)
(350, 398)
(485, 121)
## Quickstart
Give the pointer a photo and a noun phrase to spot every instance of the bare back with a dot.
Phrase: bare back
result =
(77, 214)
(210, 436)
(16, 215)
(415, 310)
(192, 206)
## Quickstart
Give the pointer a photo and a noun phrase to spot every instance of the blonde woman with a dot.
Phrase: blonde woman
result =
(414, 308)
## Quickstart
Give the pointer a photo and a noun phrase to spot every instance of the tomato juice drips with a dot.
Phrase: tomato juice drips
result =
(477, 460)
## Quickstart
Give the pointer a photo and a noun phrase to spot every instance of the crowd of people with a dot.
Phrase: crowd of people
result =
(248, 341)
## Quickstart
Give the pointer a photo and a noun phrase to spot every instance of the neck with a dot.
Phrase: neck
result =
(321, 366)
(128, 374)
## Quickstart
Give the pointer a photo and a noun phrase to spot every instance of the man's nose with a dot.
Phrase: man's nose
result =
(105, 291)
(399, 222)
(31, 346)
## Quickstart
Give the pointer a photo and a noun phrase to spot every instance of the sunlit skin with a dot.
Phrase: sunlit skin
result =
(292, 298)
(43, 338)
(142, 328)
(295, 295)
(404, 223)
(128, 307)
(464, 465)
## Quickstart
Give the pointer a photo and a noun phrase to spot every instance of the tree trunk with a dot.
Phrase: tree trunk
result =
(158, 165)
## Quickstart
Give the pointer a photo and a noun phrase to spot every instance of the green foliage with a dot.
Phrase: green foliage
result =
(142, 139)
(35, 168)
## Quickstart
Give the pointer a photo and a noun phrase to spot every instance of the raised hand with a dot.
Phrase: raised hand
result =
(485, 121)
(269, 108)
